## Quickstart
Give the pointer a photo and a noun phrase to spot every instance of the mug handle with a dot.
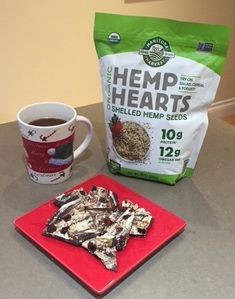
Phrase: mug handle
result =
(88, 137)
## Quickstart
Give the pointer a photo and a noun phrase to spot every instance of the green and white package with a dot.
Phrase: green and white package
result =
(159, 77)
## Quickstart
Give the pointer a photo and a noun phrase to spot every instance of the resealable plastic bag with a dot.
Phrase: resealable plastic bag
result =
(159, 77)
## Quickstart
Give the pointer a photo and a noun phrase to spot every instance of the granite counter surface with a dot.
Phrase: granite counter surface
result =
(200, 263)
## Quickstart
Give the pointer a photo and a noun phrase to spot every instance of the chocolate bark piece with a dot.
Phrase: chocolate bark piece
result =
(95, 222)
(121, 228)
(72, 223)
(70, 196)
(142, 219)
(102, 219)
(81, 217)
(114, 239)
(101, 198)
(102, 248)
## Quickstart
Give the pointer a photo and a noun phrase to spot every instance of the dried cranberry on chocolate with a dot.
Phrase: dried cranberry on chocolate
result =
(67, 217)
(64, 230)
(51, 228)
(120, 243)
(107, 221)
(141, 231)
(94, 188)
(102, 199)
(91, 247)
(126, 216)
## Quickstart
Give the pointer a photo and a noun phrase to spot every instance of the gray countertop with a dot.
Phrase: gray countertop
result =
(200, 263)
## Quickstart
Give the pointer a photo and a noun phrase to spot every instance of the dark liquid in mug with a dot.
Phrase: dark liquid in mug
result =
(47, 122)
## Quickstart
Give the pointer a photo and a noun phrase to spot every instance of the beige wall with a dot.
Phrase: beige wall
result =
(47, 51)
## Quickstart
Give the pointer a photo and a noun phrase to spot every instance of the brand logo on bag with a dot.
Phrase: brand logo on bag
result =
(156, 52)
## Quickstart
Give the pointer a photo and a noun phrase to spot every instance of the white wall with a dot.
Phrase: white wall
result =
(47, 50)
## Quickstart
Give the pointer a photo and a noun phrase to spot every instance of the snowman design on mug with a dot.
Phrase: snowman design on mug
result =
(61, 155)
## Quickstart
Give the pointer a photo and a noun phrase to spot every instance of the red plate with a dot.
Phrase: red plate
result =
(85, 267)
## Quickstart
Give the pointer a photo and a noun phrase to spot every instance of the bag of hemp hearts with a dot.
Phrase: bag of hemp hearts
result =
(159, 77)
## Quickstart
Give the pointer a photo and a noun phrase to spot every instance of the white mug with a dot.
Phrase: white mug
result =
(47, 131)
